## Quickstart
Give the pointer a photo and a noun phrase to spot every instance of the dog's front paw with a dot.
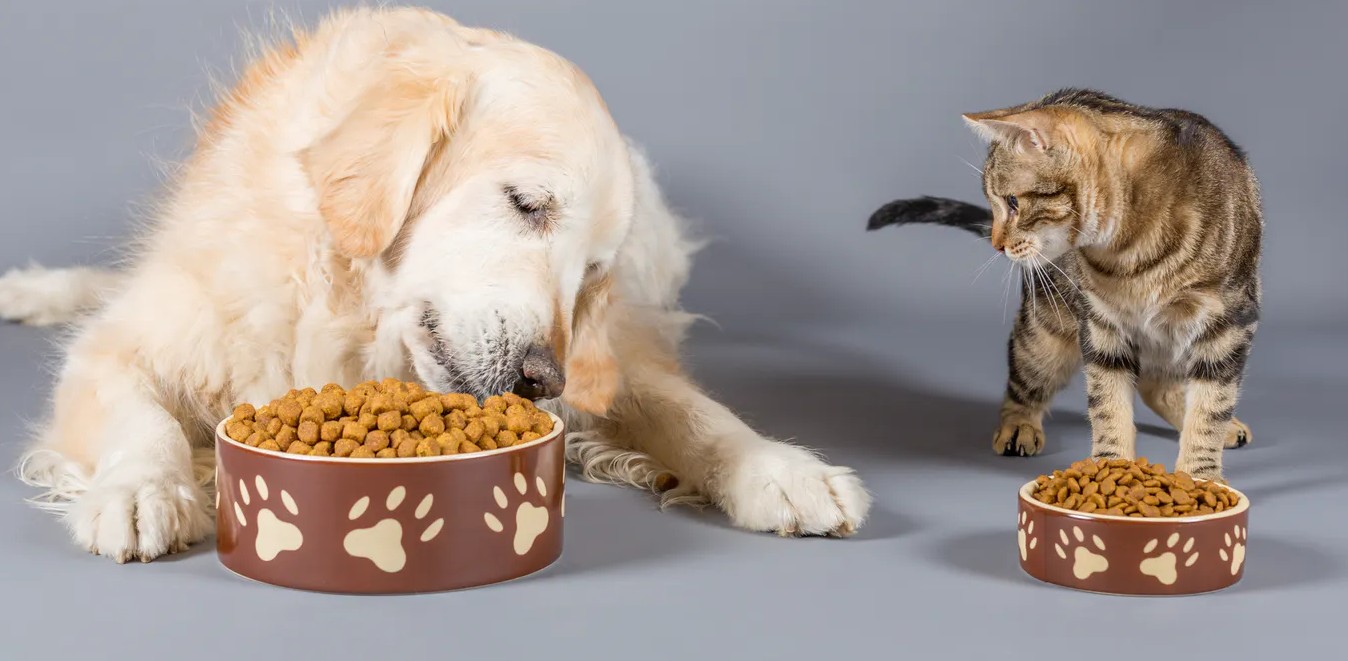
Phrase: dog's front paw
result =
(787, 490)
(145, 520)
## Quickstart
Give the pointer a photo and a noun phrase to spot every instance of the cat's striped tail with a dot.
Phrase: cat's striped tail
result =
(928, 210)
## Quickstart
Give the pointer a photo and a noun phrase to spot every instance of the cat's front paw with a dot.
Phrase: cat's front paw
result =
(1238, 435)
(1018, 437)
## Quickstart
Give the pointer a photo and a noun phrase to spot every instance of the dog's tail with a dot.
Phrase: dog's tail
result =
(933, 211)
(47, 297)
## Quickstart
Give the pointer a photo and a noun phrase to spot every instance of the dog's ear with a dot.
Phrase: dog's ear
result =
(592, 375)
(365, 170)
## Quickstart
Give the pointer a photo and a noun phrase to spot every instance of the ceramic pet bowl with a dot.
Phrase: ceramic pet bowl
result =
(390, 525)
(1135, 556)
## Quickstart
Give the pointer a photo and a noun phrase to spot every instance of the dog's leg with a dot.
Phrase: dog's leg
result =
(664, 433)
(47, 297)
(115, 462)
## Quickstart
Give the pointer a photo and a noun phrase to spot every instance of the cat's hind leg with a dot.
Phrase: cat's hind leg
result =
(1042, 355)
(1167, 398)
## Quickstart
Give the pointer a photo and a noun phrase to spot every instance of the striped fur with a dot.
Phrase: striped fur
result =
(1141, 231)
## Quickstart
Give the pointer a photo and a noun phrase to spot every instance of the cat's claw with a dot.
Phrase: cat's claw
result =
(1018, 438)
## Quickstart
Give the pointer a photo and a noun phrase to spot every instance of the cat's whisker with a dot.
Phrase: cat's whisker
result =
(975, 167)
(983, 269)
(1050, 288)
(1066, 277)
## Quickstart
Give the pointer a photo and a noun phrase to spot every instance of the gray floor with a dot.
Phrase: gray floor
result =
(779, 126)
(935, 569)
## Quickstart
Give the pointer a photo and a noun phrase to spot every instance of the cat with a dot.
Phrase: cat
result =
(1140, 229)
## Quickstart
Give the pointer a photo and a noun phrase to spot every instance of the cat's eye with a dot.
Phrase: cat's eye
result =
(1012, 203)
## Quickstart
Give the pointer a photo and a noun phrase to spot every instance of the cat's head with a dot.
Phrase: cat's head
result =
(1041, 164)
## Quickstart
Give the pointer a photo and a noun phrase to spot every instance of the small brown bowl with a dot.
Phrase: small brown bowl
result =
(1125, 555)
(386, 526)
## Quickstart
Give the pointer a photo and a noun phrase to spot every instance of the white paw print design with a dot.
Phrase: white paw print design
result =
(382, 543)
(1025, 537)
(1084, 561)
(1165, 567)
(1235, 540)
(274, 536)
(530, 521)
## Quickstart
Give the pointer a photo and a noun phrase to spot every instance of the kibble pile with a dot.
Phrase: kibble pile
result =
(386, 419)
(1131, 488)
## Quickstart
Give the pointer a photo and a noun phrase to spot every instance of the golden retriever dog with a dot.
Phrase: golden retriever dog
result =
(393, 194)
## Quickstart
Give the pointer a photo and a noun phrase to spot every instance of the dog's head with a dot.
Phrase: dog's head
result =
(483, 179)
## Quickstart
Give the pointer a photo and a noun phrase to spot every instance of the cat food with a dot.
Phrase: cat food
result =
(1120, 487)
(386, 419)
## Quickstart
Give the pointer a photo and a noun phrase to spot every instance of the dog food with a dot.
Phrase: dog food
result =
(386, 419)
(1131, 488)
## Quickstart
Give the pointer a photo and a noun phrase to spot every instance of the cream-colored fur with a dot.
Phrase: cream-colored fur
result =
(351, 186)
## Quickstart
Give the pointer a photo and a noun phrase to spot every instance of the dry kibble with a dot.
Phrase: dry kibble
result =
(461, 401)
(353, 404)
(345, 447)
(479, 426)
(330, 404)
(244, 412)
(390, 418)
(331, 431)
(519, 423)
(1119, 487)
(455, 419)
(389, 421)
(378, 440)
(285, 437)
(432, 425)
(355, 431)
(307, 432)
(542, 424)
(426, 407)
(289, 412)
(238, 431)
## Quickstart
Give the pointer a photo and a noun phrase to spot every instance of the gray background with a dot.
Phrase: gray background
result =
(778, 127)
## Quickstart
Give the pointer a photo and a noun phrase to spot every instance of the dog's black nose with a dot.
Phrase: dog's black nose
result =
(540, 375)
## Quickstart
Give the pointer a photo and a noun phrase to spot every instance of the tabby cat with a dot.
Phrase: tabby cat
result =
(1140, 229)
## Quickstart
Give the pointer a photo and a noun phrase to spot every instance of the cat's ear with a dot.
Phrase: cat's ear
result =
(1028, 129)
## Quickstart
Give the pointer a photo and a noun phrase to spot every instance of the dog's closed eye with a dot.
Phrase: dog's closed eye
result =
(536, 209)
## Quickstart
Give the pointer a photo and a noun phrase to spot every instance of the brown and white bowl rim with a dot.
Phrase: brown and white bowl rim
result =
(1027, 491)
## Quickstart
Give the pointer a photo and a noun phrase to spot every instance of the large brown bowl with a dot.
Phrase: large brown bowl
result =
(382, 526)
(1135, 556)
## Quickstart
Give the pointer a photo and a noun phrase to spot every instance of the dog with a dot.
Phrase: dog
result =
(393, 194)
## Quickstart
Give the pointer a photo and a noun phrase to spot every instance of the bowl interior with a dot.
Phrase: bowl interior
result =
(1027, 494)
